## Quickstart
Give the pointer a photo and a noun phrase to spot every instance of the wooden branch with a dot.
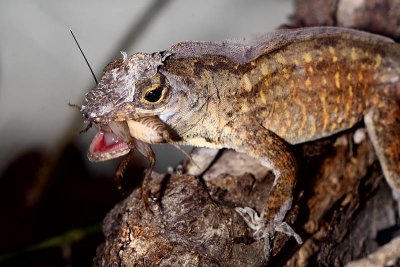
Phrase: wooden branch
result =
(377, 16)
(343, 202)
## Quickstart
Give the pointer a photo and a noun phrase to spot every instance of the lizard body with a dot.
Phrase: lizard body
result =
(257, 96)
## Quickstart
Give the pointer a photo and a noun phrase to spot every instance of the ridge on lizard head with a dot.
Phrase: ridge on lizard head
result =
(117, 85)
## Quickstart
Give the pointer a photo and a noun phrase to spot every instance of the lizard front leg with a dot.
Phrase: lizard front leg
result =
(383, 126)
(273, 152)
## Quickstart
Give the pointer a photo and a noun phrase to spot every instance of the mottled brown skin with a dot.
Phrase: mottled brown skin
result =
(260, 96)
(298, 93)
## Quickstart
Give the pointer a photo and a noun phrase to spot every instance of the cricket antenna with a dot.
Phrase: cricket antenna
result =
(87, 62)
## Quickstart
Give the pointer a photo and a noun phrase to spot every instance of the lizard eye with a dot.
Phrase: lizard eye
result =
(153, 94)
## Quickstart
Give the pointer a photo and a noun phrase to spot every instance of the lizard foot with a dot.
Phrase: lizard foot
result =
(266, 230)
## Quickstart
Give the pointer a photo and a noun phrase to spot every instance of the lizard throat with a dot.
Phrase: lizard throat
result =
(105, 146)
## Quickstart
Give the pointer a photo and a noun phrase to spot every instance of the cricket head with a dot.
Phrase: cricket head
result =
(127, 104)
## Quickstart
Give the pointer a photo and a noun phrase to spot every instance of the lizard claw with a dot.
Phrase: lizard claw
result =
(265, 230)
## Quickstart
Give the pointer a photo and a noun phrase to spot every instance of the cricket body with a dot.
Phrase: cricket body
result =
(257, 96)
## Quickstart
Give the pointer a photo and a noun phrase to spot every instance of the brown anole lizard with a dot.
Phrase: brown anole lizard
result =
(257, 96)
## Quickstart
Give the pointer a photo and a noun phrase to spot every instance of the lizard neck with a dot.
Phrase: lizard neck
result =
(206, 97)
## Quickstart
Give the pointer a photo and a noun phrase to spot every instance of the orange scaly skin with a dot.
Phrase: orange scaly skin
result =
(258, 96)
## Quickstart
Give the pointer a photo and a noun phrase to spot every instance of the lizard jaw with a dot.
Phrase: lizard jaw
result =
(107, 145)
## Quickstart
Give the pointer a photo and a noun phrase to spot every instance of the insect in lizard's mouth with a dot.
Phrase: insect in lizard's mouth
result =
(117, 138)
(107, 145)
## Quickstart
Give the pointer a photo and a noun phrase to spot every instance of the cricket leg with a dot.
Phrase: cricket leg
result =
(119, 172)
(383, 126)
(145, 149)
(274, 153)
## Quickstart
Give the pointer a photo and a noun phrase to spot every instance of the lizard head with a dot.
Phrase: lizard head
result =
(125, 105)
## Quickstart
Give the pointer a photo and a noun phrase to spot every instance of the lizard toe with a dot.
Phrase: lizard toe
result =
(266, 230)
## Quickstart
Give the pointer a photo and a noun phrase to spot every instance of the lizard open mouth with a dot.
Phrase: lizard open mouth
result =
(107, 145)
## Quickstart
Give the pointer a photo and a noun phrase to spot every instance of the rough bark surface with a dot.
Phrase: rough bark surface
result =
(343, 208)
(378, 16)
(343, 204)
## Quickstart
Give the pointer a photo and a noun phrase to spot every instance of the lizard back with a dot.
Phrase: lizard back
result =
(300, 84)
(311, 89)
